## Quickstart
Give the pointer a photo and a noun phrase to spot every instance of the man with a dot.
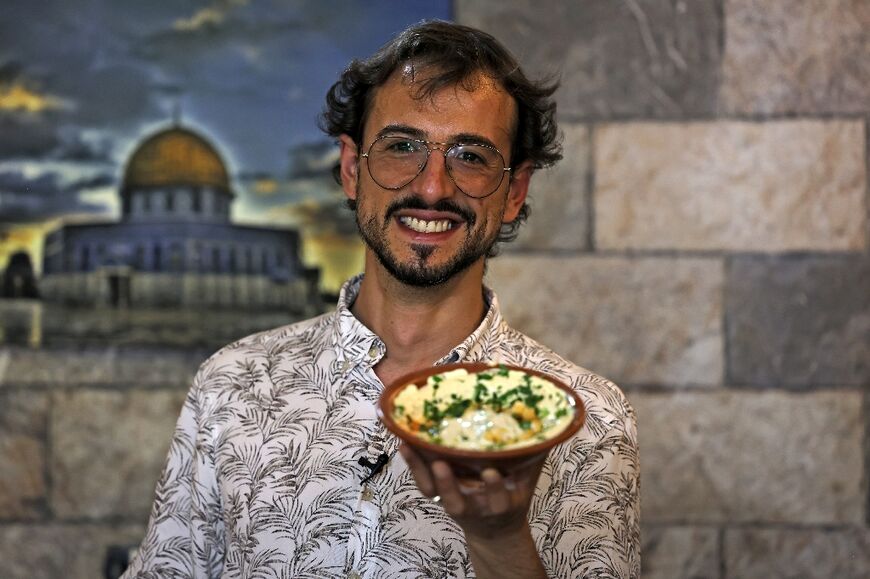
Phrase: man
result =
(439, 132)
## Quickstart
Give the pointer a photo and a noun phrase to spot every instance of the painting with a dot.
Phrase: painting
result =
(162, 176)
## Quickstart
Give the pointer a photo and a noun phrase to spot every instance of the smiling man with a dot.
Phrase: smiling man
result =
(279, 466)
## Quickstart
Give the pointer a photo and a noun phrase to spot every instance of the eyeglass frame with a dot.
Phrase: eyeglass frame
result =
(426, 145)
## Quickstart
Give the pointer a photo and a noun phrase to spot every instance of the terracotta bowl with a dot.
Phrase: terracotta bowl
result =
(470, 463)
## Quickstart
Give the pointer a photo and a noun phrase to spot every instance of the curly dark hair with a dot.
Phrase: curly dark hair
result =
(454, 54)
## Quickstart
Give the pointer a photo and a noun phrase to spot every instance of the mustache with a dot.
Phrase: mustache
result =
(445, 205)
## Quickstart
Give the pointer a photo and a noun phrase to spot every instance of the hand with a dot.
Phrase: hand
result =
(487, 507)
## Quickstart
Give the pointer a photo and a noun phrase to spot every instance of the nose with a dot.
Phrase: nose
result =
(434, 182)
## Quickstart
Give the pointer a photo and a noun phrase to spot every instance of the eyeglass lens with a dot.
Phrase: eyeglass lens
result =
(395, 161)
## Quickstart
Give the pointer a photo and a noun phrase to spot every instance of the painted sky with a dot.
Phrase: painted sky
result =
(82, 81)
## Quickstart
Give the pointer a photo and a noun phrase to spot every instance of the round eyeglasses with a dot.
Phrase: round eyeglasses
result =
(477, 170)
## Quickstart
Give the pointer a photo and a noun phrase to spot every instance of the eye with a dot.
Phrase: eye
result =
(399, 146)
(473, 155)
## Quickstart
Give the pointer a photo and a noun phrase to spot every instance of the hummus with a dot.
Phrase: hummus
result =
(494, 409)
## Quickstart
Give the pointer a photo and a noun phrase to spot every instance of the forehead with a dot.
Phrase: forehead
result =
(480, 107)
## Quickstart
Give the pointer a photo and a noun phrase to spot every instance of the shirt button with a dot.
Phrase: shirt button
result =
(373, 351)
(367, 494)
(354, 575)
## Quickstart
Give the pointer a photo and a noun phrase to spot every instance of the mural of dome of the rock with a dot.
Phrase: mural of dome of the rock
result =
(175, 244)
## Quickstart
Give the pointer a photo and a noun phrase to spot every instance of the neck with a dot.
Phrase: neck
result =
(419, 325)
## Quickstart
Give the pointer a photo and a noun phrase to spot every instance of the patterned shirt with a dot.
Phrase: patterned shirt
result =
(262, 478)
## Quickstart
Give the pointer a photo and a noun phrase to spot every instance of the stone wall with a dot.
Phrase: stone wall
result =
(705, 245)
(83, 437)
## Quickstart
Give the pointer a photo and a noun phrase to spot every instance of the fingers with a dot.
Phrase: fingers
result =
(493, 495)
(419, 470)
(499, 497)
(448, 488)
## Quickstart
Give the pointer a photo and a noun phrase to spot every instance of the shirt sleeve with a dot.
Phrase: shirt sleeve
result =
(184, 538)
(585, 516)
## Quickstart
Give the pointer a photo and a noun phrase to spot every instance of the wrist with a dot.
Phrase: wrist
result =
(485, 534)
(488, 554)
(497, 530)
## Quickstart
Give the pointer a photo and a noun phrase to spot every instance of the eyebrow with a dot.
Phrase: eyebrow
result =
(415, 133)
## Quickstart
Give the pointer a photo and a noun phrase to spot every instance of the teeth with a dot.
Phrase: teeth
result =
(421, 226)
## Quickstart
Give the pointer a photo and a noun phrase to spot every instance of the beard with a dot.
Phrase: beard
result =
(418, 271)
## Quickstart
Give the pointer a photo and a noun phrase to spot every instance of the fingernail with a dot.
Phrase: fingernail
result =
(440, 469)
(490, 475)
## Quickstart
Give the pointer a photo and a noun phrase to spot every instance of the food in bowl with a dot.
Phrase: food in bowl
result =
(497, 408)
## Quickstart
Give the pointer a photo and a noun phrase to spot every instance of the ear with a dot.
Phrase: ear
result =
(519, 188)
(349, 163)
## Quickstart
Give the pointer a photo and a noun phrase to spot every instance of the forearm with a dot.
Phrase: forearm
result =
(506, 556)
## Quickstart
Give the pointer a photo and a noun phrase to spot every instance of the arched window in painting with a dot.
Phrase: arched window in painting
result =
(176, 257)
(249, 259)
(233, 260)
(158, 258)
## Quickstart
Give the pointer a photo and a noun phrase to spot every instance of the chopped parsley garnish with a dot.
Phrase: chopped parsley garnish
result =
(480, 391)
(430, 411)
(457, 408)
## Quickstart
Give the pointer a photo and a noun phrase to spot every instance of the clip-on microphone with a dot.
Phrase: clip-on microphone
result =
(374, 467)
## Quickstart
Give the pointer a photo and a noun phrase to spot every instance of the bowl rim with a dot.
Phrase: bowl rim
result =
(418, 377)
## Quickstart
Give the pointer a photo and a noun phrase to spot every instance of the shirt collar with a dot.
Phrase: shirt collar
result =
(356, 344)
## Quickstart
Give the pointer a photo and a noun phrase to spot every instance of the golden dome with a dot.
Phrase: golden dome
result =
(176, 156)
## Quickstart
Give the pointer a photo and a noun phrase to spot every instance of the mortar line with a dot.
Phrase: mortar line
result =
(638, 253)
(590, 188)
(866, 441)
(866, 405)
(713, 117)
(727, 266)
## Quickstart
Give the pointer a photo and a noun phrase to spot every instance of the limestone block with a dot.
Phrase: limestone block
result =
(795, 56)
(774, 186)
(54, 551)
(680, 552)
(97, 366)
(751, 457)
(23, 424)
(634, 320)
(808, 554)
(558, 198)
(108, 450)
(615, 59)
(800, 321)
